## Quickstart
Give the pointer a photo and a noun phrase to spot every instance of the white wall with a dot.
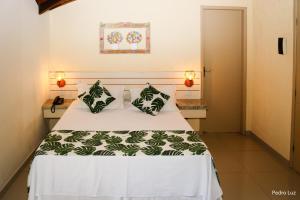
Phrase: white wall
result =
(272, 74)
(175, 34)
(24, 65)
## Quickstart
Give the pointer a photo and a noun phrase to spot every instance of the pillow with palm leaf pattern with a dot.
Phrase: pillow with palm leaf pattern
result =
(97, 97)
(151, 100)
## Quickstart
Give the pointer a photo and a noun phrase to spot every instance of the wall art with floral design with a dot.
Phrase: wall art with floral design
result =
(124, 38)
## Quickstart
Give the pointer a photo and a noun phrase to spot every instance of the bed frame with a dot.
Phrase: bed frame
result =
(129, 79)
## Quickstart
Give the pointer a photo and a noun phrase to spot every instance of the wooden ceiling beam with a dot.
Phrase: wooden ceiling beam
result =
(45, 5)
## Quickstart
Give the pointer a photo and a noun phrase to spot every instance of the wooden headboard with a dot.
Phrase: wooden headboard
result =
(128, 79)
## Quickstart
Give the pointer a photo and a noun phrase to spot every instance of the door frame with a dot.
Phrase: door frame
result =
(295, 63)
(244, 56)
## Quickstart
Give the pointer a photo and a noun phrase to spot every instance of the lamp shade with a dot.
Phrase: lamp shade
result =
(189, 78)
(60, 76)
(190, 75)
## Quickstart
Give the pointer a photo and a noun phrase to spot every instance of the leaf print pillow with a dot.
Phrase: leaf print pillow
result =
(97, 97)
(151, 100)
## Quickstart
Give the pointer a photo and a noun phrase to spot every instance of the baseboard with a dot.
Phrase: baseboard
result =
(269, 148)
(15, 174)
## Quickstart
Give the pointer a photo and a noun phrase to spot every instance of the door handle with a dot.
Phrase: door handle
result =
(205, 70)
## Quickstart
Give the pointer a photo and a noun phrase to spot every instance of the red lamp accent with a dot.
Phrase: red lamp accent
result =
(189, 78)
(60, 79)
(189, 83)
(61, 83)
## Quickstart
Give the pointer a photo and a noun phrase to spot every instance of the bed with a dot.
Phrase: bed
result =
(135, 157)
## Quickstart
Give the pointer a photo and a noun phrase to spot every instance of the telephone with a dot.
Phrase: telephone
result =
(56, 101)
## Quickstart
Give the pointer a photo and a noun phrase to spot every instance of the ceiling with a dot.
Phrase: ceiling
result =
(45, 5)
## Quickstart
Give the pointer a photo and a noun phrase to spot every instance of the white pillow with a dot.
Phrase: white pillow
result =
(116, 91)
(169, 90)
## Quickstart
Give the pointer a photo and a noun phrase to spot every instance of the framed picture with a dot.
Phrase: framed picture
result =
(124, 38)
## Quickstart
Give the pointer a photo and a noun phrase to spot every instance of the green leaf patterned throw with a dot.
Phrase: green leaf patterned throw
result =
(97, 97)
(151, 100)
(122, 143)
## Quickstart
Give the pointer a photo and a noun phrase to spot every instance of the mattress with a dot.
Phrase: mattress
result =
(139, 177)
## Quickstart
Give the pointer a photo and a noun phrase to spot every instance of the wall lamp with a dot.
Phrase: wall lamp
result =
(60, 79)
(189, 78)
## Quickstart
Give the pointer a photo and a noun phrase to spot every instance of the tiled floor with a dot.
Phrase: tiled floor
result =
(248, 171)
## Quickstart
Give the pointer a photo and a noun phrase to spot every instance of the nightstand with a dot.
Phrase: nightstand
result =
(52, 118)
(192, 110)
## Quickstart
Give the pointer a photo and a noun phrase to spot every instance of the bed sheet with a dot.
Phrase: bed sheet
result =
(122, 177)
(80, 118)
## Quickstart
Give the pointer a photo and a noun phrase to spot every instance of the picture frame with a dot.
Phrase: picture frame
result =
(124, 38)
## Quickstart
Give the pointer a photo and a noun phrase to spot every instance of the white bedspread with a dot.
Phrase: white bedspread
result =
(78, 118)
(121, 177)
